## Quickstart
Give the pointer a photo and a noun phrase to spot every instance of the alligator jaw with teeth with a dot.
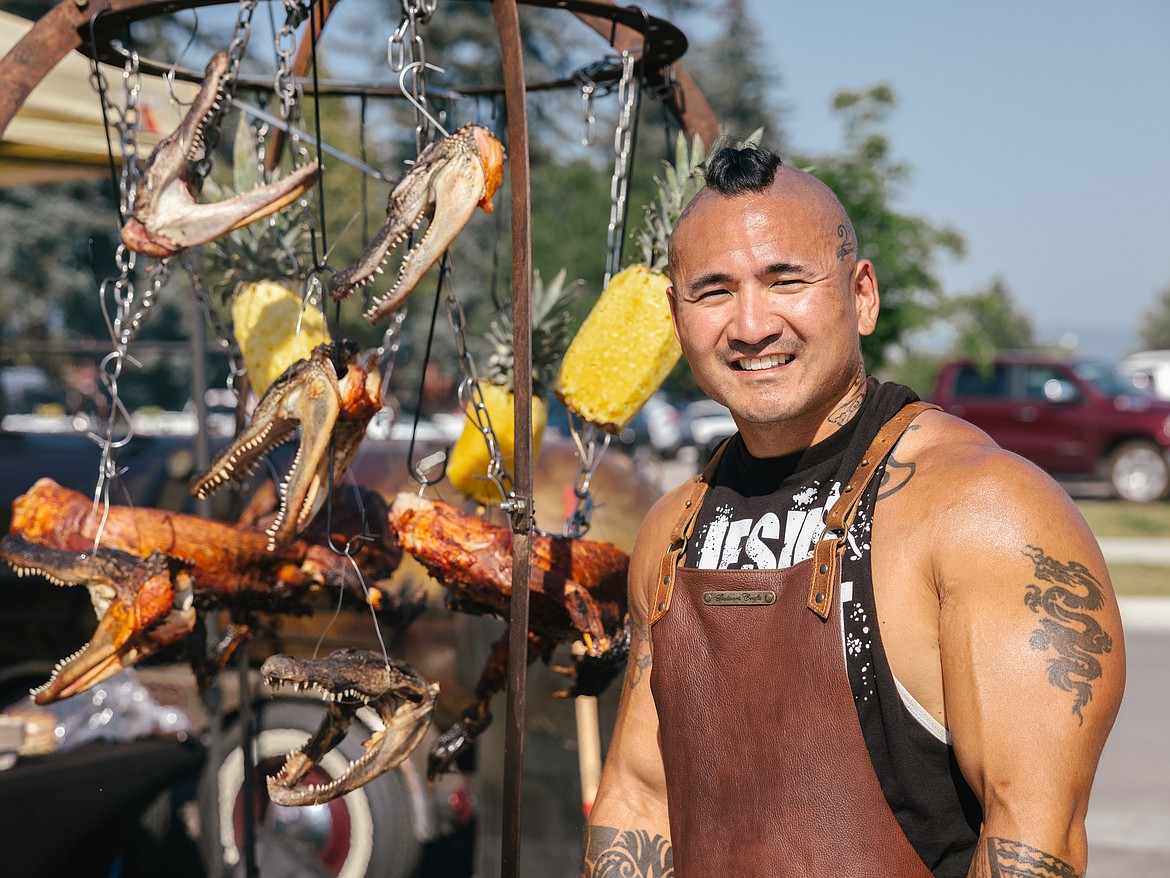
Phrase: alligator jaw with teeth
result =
(166, 215)
(451, 177)
(349, 680)
(143, 604)
(331, 396)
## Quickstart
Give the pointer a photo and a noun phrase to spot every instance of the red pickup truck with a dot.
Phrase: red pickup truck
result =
(1070, 417)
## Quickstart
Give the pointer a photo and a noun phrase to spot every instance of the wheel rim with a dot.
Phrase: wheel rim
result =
(1140, 475)
(340, 832)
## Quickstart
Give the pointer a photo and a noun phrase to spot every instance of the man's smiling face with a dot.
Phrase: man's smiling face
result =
(768, 301)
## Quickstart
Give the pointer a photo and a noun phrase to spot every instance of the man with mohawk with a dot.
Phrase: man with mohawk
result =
(866, 641)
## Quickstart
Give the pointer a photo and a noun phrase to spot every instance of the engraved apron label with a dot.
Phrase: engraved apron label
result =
(739, 598)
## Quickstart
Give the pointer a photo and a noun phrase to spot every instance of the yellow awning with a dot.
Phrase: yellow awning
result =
(60, 132)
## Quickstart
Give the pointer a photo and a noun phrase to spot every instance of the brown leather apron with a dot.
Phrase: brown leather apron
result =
(767, 771)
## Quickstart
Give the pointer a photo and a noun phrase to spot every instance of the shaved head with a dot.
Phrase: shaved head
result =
(734, 172)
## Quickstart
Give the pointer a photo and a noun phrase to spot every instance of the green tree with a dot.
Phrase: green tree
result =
(984, 323)
(988, 322)
(732, 70)
(1154, 329)
(903, 247)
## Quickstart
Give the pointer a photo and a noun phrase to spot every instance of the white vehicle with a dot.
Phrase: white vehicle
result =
(1149, 370)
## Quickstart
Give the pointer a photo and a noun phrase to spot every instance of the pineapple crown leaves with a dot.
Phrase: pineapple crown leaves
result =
(551, 320)
(680, 182)
(263, 250)
(677, 186)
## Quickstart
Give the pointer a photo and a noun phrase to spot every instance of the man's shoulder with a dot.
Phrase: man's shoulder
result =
(943, 446)
(944, 463)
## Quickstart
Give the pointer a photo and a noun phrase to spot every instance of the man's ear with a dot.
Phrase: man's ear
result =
(865, 296)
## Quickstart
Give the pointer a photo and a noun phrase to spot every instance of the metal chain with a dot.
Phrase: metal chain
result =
(123, 308)
(288, 90)
(124, 118)
(589, 452)
(391, 342)
(586, 438)
(405, 49)
(591, 90)
(588, 88)
(224, 337)
(241, 31)
(623, 155)
(471, 400)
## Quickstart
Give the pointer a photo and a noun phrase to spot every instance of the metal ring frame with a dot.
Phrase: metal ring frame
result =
(73, 23)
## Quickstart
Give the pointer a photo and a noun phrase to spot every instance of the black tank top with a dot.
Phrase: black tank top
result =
(767, 513)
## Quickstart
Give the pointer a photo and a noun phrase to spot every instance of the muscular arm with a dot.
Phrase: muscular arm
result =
(1032, 657)
(628, 833)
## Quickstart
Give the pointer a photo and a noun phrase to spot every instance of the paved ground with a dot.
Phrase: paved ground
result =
(1129, 811)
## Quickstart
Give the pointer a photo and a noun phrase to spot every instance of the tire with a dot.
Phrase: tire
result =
(1139, 472)
(368, 833)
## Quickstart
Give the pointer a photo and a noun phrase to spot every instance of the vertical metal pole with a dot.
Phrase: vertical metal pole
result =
(508, 24)
(212, 696)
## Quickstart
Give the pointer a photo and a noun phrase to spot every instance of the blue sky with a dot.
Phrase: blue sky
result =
(1038, 129)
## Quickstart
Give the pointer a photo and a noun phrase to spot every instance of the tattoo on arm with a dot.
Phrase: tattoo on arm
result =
(614, 853)
(1070, 594)
(896, 473)
(848, 407)
(639, 663)
(1014, 859)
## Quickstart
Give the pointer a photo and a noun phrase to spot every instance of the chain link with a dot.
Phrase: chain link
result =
(288, 90)
(123, 308)
(405, 50)
(471, 398)
(241, 32)
(589, 452)
(224, 337)
(592, 442)
(623, 139)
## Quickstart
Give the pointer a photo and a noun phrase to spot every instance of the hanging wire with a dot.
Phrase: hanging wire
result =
(414, 468)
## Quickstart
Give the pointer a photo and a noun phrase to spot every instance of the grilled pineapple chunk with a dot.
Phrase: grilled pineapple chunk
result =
(626, 347)
(467, 467)
(265, 318)
(623, 351)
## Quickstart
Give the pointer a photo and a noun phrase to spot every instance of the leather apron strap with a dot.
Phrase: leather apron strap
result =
(837, 521)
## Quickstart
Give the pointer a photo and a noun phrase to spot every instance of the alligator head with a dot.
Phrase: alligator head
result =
(166, 215)
(348, 680)
(450, 178)
(143, 604)
(331, 396)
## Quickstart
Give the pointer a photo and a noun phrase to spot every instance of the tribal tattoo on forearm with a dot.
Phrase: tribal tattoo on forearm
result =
(614, 853)
(1004, 858)
(848, 407)
(1066, 624)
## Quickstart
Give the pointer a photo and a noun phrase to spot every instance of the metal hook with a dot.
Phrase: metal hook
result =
(410, 97)
(169, 76)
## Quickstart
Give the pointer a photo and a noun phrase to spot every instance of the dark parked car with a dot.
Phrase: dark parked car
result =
(1070, 417)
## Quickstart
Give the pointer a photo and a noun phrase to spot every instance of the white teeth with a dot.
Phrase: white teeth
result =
(756, 363)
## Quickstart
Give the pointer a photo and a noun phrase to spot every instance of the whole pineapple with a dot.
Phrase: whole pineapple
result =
(467, 467)
(626, 346)
(258, 264)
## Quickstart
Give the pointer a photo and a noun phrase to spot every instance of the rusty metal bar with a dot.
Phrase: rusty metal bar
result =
(507, 19)
(687, 104)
